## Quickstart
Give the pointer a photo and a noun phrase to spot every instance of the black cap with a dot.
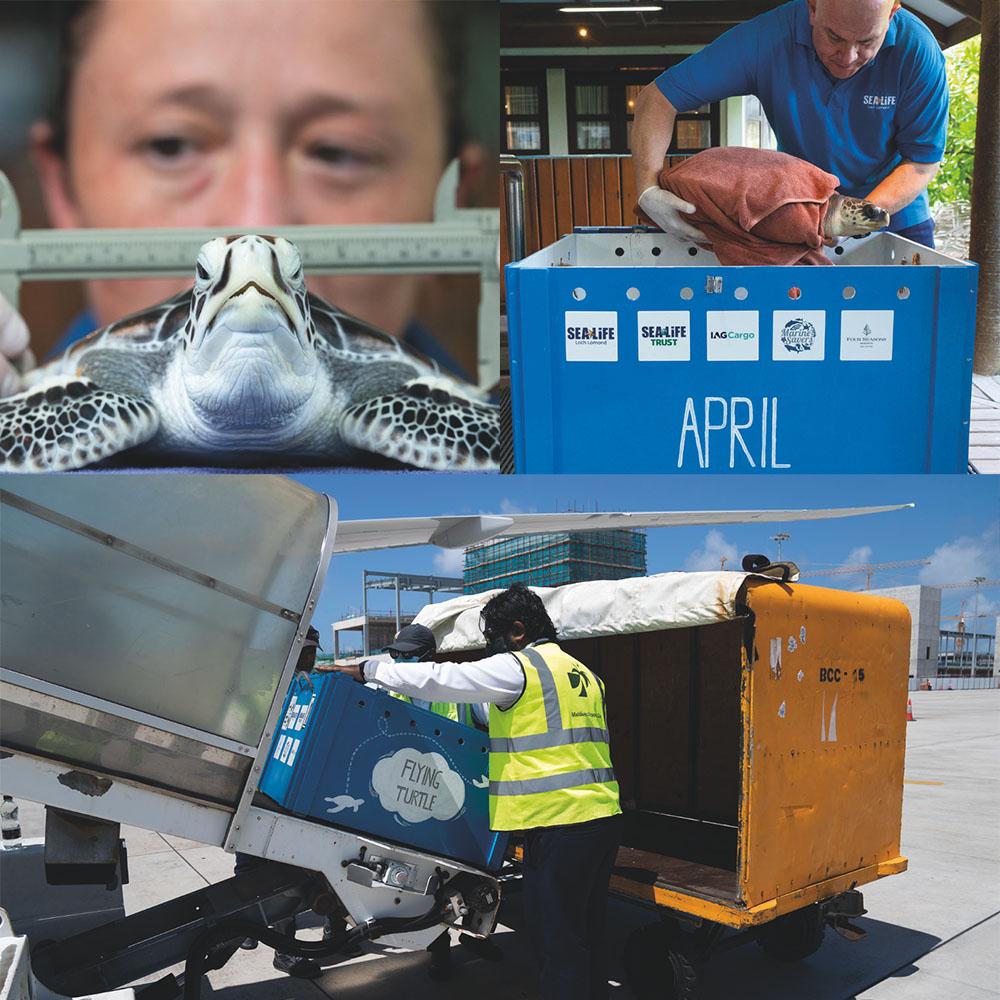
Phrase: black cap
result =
(413, 639)
(311, 639)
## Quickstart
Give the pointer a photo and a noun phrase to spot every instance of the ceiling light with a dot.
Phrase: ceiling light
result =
(583, 32)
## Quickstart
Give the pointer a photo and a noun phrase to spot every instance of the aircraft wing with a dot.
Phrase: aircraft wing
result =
(459, 532)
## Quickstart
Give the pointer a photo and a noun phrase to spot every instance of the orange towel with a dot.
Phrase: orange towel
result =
(756, 206)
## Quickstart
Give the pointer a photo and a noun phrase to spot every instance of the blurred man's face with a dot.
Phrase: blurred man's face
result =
(250, 114)
(847, 34)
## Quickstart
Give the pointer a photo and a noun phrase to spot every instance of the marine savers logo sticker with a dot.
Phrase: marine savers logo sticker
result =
(799, 336)
(866, 335)
(591, 336)
(418, 786)
(664, 336)
(733, 336)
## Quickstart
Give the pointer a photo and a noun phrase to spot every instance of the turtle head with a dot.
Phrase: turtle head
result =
(853, 217)
(249, 355)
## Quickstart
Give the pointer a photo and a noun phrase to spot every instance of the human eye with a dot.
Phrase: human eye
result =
(339, 155)
(168, 150)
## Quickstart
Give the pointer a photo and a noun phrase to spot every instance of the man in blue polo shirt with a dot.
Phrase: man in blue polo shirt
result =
(856, 87)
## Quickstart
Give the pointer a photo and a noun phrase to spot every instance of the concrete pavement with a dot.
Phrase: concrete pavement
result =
(932, 931)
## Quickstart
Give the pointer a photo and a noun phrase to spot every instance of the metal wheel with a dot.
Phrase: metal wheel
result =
(793, 936)
(655, 968)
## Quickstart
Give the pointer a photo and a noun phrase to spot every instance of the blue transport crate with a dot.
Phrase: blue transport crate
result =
(358, 758)
(630, 352)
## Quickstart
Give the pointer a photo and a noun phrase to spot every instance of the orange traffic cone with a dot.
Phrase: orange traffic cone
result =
(909, 711)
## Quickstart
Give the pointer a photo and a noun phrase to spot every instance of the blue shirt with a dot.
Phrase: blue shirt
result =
(859, 128)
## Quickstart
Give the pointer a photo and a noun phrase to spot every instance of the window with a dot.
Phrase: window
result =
(756, 129)
(601, 109)
(524, 113)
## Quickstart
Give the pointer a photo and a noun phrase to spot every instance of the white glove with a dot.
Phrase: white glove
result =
(663, 208)
(13, 343)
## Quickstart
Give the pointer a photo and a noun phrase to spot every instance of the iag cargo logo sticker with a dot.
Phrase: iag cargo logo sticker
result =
(418, 786)
(866, 335)
(799, 336)
(664, 336)
(733, 336)
(591, 336)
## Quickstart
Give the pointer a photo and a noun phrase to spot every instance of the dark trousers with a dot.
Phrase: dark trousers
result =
(566, 874)
(922, 232)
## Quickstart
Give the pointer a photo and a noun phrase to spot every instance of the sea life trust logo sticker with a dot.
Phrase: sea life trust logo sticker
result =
(733, 336)
(591, 336)
(866, 335)
(664, 336)
(799, 336)
(418, 786)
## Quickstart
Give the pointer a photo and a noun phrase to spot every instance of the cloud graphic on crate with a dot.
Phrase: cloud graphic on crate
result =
(418, 786)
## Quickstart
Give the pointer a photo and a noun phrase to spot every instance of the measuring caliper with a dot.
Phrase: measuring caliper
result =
(459, 241)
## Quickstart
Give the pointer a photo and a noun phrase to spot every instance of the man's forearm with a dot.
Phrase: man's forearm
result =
(652, 132)
(903, 185)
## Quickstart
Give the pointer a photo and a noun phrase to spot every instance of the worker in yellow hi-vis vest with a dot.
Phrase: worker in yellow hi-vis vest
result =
(412, 644)
(550, 776)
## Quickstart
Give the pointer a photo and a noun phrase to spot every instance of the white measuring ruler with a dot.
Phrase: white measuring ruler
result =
(464, 242)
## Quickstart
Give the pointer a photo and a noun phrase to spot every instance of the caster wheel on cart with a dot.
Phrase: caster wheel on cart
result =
(655, 969)
(794, 935)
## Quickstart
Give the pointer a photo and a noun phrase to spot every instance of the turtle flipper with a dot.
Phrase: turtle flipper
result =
(68, 422)
(428, 422)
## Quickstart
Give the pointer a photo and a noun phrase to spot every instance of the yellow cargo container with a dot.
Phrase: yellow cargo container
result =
(759, 755)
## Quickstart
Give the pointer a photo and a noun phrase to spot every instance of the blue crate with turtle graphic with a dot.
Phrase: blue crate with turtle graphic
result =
(358, 758)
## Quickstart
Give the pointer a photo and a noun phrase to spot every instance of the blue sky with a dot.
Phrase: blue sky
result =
(955, 524)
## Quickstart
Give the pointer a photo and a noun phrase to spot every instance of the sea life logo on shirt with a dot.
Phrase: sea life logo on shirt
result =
(664, 336)
(591, 336)
(799, 336)
(879, 100)
(866, 335)
(733, 336)
(418, 786)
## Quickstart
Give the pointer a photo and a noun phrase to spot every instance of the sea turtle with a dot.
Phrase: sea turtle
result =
(245, 368)
(852, 217)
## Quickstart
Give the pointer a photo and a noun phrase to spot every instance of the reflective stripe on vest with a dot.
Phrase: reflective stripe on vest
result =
(562, 775)
(446, 709)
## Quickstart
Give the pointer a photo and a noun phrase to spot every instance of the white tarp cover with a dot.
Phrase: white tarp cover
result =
(600, 607)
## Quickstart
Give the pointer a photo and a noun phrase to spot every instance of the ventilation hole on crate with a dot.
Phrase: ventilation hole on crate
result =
(686, 293)
(460, 741)
(619, 251)
(437, 732)
(361, 704)
(794, 293)
(903, 293)
(579, 294)
(413, 723)
(632, 294)
(692, 251)
(741, 293)
(387, 714)
(483, 750)
(848, 292)
(657, 251)
(838, 250)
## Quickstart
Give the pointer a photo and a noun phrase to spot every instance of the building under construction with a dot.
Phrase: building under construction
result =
(555, 558)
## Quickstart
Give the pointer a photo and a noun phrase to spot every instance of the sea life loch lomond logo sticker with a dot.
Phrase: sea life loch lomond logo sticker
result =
(591, 336)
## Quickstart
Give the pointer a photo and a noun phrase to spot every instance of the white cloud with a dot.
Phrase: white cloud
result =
(964, 559)
(710, 555)
(449, 562)
(508, 506)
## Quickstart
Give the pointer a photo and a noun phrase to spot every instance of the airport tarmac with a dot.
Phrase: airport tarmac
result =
(933, 931)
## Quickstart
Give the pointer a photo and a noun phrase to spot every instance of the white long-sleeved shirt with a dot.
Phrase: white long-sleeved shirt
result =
(496, 679)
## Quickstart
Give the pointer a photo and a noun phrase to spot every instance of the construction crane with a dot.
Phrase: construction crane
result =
(978, 582)
(867, 568)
